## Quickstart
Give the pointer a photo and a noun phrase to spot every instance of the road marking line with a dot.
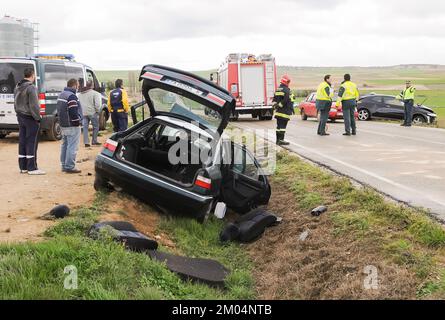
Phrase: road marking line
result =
(402, 137)
(366, 172)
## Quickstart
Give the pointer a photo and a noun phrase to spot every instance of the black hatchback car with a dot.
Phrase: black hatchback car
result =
(178, 159)
(388, 107)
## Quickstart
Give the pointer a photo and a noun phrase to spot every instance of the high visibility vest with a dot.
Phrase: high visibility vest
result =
(322, 94)
(409, 93)
(116, 100)
(351, 91)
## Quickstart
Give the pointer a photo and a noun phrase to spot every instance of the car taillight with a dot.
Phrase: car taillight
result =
(203, 183)
(111, 145)
(42, 102)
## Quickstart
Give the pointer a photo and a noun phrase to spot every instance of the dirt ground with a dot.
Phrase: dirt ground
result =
(320, 265)
(23, 199)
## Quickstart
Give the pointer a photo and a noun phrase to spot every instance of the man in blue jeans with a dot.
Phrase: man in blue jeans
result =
(91, 102)
(70, 118)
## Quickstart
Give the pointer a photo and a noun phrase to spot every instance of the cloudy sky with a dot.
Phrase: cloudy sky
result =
(198, 34)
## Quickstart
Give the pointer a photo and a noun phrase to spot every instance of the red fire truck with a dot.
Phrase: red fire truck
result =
(252, 80)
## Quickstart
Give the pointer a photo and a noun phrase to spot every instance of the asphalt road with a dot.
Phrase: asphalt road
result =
(407, 164)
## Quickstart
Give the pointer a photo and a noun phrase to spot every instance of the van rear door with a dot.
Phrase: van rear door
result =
(11, 72)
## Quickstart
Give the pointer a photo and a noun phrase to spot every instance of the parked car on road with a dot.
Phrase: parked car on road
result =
(139, 160)
(309, 110)
(53, 73)
(388, 107)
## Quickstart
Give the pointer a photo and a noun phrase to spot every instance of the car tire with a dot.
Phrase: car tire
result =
(55, 132)
(364, 115)
(3, 135)
(100, 184)
(270, 118)
(304, 116)
(103, 119)
(235, 117)
(419, 119)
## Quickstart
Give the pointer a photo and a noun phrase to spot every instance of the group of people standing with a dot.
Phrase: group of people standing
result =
(348, 96)
(77, 107)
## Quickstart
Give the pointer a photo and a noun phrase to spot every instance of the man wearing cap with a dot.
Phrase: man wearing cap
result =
(407, 96)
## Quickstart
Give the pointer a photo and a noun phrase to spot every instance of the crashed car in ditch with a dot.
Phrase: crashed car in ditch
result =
(178, 158)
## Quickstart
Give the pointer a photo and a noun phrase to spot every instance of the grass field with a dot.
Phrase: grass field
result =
(361, 228)
(429, 79)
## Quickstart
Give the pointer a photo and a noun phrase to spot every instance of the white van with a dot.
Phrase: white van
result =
(53, 72)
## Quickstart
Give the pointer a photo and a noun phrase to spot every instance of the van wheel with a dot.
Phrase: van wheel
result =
(103, 119)
(55, 132)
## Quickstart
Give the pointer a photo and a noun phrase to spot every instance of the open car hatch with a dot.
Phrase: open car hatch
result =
(182, 94)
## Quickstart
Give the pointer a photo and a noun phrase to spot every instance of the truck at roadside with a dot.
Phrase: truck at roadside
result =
(52, 71)
(252, 81)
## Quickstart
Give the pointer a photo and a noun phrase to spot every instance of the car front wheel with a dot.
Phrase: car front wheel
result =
(304, 116)
(418, 119)
(364, 115)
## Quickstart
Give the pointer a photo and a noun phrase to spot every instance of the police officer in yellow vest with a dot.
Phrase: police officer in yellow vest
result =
(348, 97)
(324, 104)
(408, 96)
(284, 109)
(118, 107)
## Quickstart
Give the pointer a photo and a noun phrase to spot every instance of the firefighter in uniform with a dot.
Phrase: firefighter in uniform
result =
(118, 106)
(324, 104)
(348, 96)
(284, 109)
(407, 96)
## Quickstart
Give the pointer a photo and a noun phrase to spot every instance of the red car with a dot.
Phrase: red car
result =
(308, 109)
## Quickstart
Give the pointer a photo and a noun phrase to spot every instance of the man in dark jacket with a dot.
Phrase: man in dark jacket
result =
(284, 109)
(27, 108)
(70, 118)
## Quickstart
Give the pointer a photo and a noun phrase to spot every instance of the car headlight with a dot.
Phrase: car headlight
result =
(432, 115)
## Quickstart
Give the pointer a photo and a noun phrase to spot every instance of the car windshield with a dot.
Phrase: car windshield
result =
(167, 101)
(10, 75)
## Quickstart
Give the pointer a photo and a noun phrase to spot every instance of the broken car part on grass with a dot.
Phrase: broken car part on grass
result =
(250, 227)
(204, 271)
(211, 169)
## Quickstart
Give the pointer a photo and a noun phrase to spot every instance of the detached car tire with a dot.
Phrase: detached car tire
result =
(55, 132)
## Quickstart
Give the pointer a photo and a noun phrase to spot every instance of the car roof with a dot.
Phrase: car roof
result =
(46, 61)
(378, 96)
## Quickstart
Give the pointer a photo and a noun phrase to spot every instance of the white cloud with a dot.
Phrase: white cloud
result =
(198, 34)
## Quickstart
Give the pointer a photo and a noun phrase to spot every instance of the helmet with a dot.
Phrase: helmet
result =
(285, 80)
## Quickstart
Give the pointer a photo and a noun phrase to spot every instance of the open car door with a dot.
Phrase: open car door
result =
(170, 91)
(245, 186)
